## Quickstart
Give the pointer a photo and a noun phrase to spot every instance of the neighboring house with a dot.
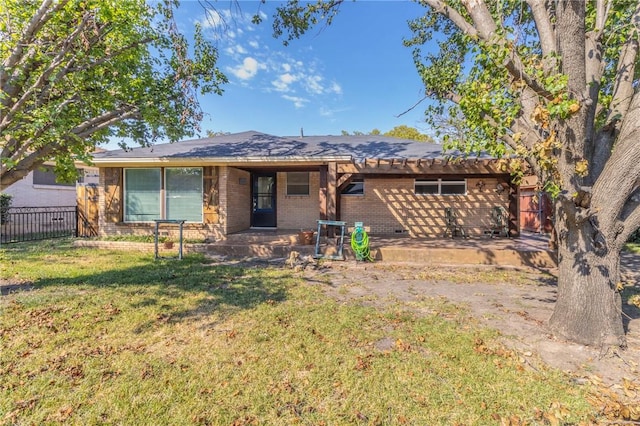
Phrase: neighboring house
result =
(232, 183)
(40, 188)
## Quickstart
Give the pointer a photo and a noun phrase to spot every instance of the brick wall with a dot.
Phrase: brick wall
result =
(235, 199)
(390, 206)
(298, 211)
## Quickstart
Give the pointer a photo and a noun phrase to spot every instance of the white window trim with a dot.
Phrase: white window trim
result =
(438, 182)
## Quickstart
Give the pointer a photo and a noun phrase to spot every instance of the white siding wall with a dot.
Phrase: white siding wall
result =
(25, 194)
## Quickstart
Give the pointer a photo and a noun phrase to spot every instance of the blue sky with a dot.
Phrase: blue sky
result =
(353, 75)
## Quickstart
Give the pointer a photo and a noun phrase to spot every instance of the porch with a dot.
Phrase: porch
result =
(529, 250)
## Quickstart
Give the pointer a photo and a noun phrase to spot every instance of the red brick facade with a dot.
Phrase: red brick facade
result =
(389, 205)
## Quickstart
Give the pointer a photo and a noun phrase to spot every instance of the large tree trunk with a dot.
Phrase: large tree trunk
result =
(589, 305)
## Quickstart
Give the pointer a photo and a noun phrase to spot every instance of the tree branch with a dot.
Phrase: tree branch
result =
(44, 77)
(546, 32)
(31, 161)
(486, 28)
(453, 15)
(621, 173)
(39, 19)
(103, 121)
(623, 87)
(602, 12)
(41, 16)
(631, 217)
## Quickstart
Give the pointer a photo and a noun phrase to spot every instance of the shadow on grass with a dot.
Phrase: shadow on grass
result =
(205, 286)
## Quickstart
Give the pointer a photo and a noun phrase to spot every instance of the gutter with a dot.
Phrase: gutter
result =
(111, 162)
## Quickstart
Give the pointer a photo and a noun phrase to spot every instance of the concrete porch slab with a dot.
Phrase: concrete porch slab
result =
(530, 250)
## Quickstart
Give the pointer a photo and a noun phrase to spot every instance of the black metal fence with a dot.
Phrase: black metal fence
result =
(19, 224)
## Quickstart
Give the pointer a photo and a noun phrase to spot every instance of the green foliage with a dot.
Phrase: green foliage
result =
(406, 132)
(296, 18)
(403, 132)
(96, 70)
(5, 205)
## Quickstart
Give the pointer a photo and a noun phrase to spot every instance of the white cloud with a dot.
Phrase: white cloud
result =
(213, 19)
(284, 81)
(331, 112)
(286, 67)
(235, 50)
(248, 69)
(254, 44)
(313, 84)
(336, 88)
(298, 102)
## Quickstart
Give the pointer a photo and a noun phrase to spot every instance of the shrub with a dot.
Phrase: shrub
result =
(5, 205)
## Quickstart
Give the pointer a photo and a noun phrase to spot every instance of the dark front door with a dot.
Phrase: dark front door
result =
(263, 194)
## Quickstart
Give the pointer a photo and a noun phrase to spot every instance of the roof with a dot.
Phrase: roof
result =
(254, 146)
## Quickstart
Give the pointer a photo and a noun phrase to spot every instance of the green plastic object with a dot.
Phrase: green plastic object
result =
(360, 243)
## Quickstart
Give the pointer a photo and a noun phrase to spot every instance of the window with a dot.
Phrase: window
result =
(298, 183)
(427, 186)
(182, 195)
(355, 187)
(141, 195)
(440, 187)
(47, 176)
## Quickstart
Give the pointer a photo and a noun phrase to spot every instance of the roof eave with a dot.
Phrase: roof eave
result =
(230, 161)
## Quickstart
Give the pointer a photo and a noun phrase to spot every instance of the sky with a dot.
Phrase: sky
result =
(354, 75)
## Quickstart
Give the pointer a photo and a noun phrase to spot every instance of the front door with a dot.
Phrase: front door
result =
(263, 194)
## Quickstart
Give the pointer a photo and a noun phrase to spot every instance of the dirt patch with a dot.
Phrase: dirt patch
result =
(517, 303)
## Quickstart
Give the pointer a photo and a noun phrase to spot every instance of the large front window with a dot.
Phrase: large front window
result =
(143, 194)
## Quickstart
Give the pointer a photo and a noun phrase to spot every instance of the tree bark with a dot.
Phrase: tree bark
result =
(589, 305)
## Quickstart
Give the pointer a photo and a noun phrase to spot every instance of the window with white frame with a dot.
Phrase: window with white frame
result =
(298, 183)
(440, 186)
(182, 194)
(355, 187)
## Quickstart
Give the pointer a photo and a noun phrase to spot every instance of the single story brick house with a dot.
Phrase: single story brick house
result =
(232, 183)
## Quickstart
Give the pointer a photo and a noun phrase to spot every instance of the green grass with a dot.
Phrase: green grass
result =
(109, 337)
(633, 247)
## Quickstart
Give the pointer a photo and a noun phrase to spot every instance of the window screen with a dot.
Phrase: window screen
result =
(183, 193)
(426, 186)
(141, 195)
(440, 186)
(298, 183)
(453, 187)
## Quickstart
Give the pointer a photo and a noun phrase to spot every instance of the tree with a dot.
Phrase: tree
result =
(406, 132)
(76, 72)
(551, 87)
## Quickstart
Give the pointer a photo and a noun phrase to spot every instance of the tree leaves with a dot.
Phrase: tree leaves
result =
(94, 70)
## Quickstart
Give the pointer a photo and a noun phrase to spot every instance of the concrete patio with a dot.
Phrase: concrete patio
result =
(529, 250)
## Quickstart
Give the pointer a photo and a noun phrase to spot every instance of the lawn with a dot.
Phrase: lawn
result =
(109, 337)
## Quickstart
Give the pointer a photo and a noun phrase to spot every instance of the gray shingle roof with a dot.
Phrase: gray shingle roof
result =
(256, 145)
